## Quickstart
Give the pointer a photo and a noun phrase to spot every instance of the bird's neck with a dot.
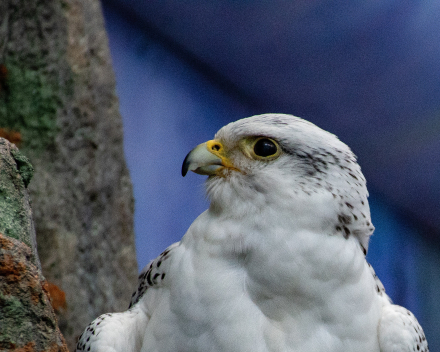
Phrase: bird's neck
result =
(293, 230)
(276, 257)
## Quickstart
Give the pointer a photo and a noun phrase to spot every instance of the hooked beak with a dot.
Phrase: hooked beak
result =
(206, 159)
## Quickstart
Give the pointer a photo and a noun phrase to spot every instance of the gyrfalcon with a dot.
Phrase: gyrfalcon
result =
(277, 262)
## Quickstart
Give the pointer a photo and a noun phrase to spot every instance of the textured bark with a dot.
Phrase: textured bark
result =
(27, 320)
(57, 99)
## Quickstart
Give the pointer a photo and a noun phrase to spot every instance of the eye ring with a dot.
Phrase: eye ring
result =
(266, 148)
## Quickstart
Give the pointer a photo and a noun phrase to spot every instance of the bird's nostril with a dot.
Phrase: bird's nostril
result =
(216, 147)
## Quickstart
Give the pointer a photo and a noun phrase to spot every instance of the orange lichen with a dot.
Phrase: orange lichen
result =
(57, 296)
(11, 270)
(11, 135)
(29, 347)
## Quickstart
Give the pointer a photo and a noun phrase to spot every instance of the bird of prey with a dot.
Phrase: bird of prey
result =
(277, 262)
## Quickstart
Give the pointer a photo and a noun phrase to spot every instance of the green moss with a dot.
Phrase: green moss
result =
(11, 306)
(31, 103)
(13, 320)
(24, 166)
(14, 219)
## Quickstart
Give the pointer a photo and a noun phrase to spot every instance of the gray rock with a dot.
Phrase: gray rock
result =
(27, 320)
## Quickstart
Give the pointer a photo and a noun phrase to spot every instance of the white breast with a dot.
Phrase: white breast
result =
(307, 292)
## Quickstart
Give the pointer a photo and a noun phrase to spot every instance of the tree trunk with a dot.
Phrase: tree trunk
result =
(58, 103)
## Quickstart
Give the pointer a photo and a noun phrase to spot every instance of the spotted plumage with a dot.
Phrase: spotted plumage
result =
(152, 275)
(277, 263)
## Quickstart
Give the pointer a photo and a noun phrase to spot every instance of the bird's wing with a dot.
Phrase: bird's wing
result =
(153, 274)
(399, 331)
(114, 332)
(124, 332)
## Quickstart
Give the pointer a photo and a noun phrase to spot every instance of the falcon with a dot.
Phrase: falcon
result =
(277, 262)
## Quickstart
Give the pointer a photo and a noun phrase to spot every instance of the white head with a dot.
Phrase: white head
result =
(283, 160)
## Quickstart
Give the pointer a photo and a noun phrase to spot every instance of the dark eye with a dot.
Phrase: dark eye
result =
(265, 147)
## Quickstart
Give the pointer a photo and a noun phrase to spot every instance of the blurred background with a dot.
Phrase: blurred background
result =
(368, 72)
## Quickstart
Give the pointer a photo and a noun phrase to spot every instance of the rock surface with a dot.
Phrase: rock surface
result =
(57, 100)
(15, 210)
(27, 320)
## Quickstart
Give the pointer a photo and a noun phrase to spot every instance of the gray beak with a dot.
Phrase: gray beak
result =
(203, 159)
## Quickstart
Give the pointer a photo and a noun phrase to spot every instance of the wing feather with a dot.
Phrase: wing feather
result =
(115, 332)
(399, 331)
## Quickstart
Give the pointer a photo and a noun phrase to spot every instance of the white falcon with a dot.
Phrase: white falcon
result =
(277, 262)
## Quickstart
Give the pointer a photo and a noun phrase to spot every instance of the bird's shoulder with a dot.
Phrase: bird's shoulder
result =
(114, 332)
(154, 273)
(399, 330)
(380, 289)
(124, 331)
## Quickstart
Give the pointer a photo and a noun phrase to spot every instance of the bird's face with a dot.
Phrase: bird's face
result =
(281, 159)
(286, 150)
(222, 157)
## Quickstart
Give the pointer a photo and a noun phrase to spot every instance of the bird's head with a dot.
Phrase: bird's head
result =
(284, 163)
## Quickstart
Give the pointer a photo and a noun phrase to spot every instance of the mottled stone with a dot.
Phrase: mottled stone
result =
(15, 211)
(27, 320)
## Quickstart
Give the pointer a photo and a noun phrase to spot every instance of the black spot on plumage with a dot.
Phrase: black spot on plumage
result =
(349, 205)
(149, 278)
(347, 232)
(163, 276)
(364, 250)
(344, 218)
